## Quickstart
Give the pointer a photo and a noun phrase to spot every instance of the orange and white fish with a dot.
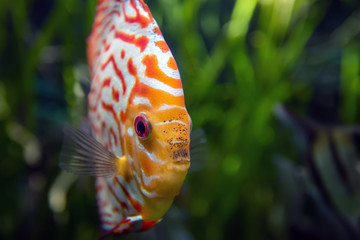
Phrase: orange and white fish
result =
(140, 154)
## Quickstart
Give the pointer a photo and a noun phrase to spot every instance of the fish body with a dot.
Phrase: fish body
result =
(140, 155)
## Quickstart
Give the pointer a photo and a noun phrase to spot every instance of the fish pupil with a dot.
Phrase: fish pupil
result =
(141, 129)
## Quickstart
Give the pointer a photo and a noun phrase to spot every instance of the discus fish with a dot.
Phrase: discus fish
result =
(140, 153)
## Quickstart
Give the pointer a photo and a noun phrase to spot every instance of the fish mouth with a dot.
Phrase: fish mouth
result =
(181, 154)
(182, 161)
(181, 164)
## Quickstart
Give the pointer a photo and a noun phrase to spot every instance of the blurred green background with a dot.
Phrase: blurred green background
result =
(237, 58)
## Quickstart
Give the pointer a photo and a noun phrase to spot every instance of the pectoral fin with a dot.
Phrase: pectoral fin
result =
(199, 150)
(83, 155)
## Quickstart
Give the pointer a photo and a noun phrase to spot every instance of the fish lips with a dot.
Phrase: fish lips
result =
(181, 155)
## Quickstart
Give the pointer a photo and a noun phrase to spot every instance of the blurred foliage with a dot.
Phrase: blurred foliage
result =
(236, 58)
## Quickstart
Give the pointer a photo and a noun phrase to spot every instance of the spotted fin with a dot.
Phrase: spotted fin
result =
(83, 155)
(199, 150)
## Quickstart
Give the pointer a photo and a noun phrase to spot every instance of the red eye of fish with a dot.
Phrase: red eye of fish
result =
(142, 126)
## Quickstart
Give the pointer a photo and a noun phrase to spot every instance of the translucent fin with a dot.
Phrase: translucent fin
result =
(83, 155)
(199, 150)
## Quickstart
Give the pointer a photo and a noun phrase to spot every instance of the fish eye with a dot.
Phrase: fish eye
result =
(142, 126)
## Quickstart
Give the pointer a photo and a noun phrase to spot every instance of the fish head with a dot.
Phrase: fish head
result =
(160, 147)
